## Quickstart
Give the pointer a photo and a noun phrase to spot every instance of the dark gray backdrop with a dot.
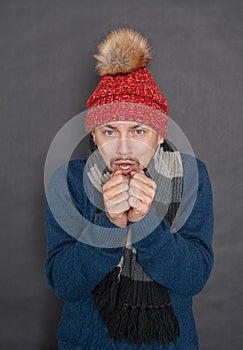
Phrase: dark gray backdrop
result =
(47, 74)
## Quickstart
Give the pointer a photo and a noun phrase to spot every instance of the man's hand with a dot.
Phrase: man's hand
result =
(141, 194)
(128, 199)
(115, 194)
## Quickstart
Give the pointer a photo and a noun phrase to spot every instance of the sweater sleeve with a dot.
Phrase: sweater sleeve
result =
(181, 261)
(74, 268)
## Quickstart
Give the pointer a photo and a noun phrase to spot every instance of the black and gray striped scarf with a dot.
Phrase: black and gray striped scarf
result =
(130, 303)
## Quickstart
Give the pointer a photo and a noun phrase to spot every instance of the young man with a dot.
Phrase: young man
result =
(129, 278)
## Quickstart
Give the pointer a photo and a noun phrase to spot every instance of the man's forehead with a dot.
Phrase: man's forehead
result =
(124, 124)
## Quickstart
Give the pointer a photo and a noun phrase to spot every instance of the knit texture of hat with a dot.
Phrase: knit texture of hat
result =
(127, 90)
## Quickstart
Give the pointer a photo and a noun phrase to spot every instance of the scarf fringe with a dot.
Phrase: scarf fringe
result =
(137, 323)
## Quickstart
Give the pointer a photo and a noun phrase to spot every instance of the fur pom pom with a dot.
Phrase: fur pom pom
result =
(122, 51)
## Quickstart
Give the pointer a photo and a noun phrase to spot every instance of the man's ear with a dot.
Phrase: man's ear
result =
(160, 140)
(93, 135)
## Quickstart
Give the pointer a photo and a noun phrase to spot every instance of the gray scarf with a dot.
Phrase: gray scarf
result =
(130, 303)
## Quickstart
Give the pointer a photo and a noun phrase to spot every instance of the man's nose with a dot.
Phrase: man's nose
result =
(123, 146)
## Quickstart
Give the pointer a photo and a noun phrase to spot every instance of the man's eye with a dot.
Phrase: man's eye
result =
(139, 132)
(109, 132)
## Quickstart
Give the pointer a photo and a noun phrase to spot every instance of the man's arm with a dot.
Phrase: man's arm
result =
(74, 268)
(181, 261)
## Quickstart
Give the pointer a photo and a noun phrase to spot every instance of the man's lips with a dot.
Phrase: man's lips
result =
(125, 166)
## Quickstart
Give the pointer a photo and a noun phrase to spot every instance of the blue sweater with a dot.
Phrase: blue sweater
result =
(181, 261)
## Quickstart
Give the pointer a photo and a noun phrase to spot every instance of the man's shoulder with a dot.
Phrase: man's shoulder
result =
(75, 166)
(195, 174)
(72, 165)
(67, 172)
(192, 164)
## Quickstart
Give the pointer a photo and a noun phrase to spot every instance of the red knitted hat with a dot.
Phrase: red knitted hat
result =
(127, 90)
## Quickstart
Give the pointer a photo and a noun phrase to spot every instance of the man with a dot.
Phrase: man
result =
(129, 278)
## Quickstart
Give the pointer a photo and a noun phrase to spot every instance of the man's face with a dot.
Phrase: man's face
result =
(126, 146)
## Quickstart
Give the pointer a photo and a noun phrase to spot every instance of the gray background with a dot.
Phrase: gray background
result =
(47, 74)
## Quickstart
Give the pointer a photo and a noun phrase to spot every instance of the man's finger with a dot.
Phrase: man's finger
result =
(111, 192)
(140, 189)
(142, 178)
(120, 208)
(114, 181)
(116, 200)
(137, 205)
(144, 196)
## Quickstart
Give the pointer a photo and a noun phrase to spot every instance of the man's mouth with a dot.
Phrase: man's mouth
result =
(126, 166)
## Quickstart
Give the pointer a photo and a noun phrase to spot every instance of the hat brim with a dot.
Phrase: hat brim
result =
(127, 111)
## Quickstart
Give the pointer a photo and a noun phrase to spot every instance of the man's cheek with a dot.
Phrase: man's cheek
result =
(106, 155)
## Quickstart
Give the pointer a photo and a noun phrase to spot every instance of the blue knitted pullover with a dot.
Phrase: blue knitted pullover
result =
(181, 261)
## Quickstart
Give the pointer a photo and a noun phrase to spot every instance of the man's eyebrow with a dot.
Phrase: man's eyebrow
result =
(115, 127)
(109, 126)
(137, 126)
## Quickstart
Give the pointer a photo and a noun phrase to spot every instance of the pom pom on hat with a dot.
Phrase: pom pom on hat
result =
(122, 51)
(122, 60)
